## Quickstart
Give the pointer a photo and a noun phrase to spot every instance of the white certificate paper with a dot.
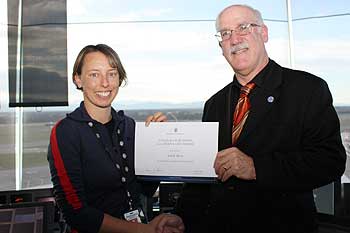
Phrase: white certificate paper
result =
(176, 149)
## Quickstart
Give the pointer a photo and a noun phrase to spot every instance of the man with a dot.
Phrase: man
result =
(285, 143)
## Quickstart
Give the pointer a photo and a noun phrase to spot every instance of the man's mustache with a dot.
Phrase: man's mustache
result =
(236, 48)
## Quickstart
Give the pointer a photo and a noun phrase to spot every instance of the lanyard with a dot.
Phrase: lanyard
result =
(122, 168)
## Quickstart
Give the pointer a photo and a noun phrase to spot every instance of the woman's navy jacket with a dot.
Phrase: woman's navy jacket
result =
(88, 169)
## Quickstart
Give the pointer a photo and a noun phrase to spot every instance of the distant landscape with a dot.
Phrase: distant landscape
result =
(38, 125)
(180, 114)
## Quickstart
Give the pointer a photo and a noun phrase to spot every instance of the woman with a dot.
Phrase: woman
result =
(91, 154)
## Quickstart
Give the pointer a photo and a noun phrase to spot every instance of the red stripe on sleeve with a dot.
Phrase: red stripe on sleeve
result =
(68, 189)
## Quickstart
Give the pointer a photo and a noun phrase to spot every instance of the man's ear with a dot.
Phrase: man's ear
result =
(265, 33)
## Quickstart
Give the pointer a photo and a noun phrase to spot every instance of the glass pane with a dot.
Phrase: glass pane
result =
(322, 47)
(37, 126)
(168, 49)
(7, 116)
(327, 55)
(7, 146)
(43, 77)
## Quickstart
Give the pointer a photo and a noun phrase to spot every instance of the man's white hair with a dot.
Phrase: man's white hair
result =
(256, 13)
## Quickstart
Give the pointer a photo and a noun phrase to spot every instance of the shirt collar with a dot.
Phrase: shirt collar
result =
(259, 78)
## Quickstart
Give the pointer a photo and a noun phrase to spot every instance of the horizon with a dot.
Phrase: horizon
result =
(133, 105)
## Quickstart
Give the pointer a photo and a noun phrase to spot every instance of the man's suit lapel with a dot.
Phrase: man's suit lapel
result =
(262, 100)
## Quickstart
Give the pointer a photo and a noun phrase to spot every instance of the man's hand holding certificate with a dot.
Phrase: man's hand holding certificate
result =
(176, 150)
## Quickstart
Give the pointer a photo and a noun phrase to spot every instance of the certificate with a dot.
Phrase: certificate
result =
(176, 151)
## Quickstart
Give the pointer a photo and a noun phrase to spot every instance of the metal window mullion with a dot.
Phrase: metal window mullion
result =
(19, 99)
(290, 33)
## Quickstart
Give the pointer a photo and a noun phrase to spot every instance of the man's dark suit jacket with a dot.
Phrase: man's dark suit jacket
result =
(293, 135)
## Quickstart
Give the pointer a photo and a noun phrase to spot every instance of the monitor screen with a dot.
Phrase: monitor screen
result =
(27, 217)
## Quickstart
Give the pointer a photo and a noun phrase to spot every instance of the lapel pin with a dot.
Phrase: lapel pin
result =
(270, 99)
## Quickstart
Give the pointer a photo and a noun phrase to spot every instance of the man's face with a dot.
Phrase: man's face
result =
(245, 53)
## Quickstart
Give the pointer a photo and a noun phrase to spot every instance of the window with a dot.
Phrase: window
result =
(173, 64)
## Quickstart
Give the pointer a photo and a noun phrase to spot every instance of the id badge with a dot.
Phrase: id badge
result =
(136, 216)
(132, 216)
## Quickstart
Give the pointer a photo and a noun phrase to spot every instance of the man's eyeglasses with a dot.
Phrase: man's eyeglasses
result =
(241, 30)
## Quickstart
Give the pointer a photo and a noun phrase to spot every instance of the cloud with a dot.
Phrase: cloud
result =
(38, 12)
(76, 8)
(143, 14)
(176, 82)
(166, 60)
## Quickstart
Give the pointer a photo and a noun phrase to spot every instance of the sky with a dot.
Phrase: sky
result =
(171, 55)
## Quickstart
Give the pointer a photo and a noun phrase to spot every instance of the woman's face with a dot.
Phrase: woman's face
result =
(99, 81)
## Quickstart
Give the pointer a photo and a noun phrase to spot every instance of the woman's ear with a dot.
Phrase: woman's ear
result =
(77, 81)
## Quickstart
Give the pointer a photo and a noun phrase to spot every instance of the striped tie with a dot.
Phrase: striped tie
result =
(241, 112)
